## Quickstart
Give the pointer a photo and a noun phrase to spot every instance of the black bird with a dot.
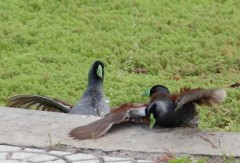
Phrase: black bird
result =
(166, 109)
(180, 109)
(91, 103)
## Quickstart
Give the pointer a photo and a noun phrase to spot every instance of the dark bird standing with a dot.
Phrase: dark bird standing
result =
(91, 103)
(166, 109)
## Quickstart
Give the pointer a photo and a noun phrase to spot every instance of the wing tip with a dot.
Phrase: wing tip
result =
(74, 135)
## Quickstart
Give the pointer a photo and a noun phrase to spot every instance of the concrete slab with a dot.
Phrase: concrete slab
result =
(45, 129)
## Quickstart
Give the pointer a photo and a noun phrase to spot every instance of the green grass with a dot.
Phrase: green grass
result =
(47, 47)
(204, 159)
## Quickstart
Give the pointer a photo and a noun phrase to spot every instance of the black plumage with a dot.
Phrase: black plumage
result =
(180, 109)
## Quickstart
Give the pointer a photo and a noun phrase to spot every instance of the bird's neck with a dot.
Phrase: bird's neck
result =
(95, 82)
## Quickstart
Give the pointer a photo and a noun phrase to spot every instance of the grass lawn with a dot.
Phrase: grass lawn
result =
(47, 47)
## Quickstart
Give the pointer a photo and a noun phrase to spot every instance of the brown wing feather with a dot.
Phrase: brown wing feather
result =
(100, 127)
(127, 106)
(200, 96)
(184, 91)
(38, 103)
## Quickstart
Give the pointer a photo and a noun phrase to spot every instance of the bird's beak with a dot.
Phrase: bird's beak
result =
(152, 121)
(100, 71)
(146, 93)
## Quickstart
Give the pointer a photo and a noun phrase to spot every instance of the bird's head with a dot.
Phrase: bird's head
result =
(98, 67)
(156, 88)
(96, 71)
(96, 74)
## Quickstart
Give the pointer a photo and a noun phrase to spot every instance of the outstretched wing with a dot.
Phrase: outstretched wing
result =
(200, 96)
(100, 127)
(97, 128)
(38, 103)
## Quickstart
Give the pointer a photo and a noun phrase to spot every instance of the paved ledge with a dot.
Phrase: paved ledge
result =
(23, 154)
(47, 129)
